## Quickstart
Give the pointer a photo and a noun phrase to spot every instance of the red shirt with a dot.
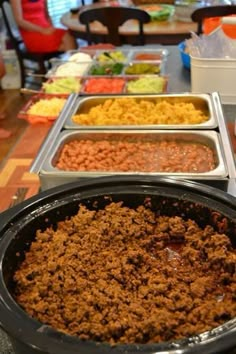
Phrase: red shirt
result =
(35, 11)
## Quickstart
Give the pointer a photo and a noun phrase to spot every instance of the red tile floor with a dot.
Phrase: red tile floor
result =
(16, 183)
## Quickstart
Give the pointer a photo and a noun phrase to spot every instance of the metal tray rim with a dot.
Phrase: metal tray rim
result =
(220, 171)
(212, 123)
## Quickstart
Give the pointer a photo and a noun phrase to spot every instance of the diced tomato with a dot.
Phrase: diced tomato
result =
(147, 56)
(104, 85)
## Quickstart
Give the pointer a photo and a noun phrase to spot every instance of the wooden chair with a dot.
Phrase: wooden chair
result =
(112, 17)
(199, 15)
(41, 59)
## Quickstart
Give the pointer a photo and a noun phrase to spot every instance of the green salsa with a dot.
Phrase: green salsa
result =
(142, 68)
(147, 85)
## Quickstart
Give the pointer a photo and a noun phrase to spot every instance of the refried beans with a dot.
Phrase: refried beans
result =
(123, 275)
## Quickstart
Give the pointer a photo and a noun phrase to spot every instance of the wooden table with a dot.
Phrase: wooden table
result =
(166, 32)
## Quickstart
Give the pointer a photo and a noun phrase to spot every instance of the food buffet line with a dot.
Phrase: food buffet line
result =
(73, 150)
(121, 96)
(135, 140)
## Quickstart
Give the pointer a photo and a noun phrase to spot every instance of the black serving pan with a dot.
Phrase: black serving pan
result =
(169, 195)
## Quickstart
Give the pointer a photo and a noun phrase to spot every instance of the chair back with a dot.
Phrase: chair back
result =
(10, 24)
(18, 45)
(112, 17)
(199, 15)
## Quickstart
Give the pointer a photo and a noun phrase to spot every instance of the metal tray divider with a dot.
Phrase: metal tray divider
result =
(52, 135)
(226, 142)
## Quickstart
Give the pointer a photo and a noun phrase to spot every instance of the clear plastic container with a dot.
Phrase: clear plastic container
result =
(214, 74)
(11, 80)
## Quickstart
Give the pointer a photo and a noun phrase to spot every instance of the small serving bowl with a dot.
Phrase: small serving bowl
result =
(185, 57)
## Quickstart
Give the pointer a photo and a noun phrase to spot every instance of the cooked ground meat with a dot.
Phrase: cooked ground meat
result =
(123, 275)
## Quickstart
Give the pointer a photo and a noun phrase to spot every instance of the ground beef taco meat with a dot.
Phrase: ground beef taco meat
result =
(123, 275)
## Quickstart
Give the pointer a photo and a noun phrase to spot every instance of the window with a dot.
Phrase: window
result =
(56, 8)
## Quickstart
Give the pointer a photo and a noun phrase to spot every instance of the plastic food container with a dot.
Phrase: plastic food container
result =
(47, 108)
(100, 62)
(144, 68)
(103, 85)
(146, 84)
(112, 55)
(110, 85)
(12, 76)
(62, 68)
(109, 68)
(149, 54)
(201, 102)
(203, 204)
(210, 75)
(62, 85)
(68, 54)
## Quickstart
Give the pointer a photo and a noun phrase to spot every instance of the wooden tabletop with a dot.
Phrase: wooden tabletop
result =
(163, 32)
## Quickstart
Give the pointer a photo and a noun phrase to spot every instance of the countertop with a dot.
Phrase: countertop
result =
(179, 81)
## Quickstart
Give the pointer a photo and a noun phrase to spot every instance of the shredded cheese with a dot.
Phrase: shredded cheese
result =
(47, 107)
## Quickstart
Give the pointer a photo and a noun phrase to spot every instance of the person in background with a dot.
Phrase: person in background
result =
(37, 30)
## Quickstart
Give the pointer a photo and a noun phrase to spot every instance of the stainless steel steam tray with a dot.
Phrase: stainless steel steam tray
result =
(210, 138)
(82, 105)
